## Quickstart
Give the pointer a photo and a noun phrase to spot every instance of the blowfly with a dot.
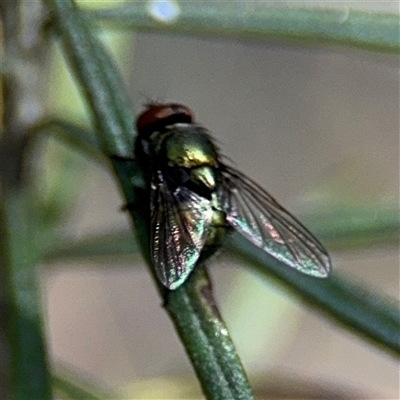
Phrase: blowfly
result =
(196, 199)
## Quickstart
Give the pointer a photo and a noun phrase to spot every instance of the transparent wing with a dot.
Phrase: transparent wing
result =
(257, 216)
(179, 224)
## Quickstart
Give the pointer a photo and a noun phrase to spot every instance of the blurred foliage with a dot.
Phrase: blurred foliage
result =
(33, 208)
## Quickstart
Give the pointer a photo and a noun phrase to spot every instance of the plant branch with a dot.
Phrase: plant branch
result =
(217, 365)
(28, 364)
(358, 309)
(259, 21)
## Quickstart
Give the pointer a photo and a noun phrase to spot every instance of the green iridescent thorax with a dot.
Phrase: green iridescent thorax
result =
(189, 148)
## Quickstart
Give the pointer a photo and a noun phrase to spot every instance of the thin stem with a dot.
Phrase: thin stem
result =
(262, 21)
(28, 366)
(368, 313)
(30, 377)
(217, 364)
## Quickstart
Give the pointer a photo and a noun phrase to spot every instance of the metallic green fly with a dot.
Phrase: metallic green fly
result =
(196, 199)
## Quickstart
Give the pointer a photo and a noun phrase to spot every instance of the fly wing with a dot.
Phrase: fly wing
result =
(258, 217)
(179, 224)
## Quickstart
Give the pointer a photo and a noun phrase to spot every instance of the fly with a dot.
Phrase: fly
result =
(196, 199)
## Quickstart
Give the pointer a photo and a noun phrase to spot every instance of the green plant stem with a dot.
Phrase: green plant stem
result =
(75, 136)
(260, 21)
(363, 311)
(105, 94)
(358, 308)
(28, 365)
(70, 390)
(68, 384)
(206, 338)
(354, 228)
(30, 371)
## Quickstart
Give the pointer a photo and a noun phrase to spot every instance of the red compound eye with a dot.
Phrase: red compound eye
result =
(158, 116)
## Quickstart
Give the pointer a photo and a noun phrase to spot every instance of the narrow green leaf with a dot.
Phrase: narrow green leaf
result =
(359, 309)
(103, 88)
(357, 227)
(55, 179)
(19, 254)
(72, 386)
(260, 21)
(77, 137)
(70, 390)
(24, 363)
(109, 246)
(338, 229)
(363, 311)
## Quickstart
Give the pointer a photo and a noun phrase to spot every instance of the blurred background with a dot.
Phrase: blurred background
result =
(317, 127)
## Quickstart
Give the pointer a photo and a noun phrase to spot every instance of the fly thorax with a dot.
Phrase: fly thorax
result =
(188, 146)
